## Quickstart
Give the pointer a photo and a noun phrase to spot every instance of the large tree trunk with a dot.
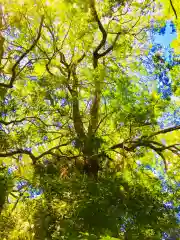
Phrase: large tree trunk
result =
(91, 161)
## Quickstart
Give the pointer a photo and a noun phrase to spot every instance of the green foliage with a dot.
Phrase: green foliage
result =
(79, 133)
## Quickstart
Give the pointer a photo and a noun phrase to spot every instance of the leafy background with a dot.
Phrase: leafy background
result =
(89, 120)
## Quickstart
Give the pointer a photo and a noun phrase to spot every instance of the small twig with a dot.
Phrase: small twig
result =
(174, 10)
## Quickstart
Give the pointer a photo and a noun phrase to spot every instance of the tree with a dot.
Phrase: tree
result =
(76, 114)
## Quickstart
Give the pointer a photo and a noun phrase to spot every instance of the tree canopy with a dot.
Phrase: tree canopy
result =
(89, 124)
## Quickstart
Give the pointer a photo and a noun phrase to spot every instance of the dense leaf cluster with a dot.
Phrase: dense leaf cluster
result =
(86, 151)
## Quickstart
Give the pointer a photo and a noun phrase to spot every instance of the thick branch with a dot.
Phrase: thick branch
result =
(48, 63)
(94, 110)
(96, 99)
(12, 122)
(71, 70)
(158, 150)
(156, 146)
(63, 60)
(50, 150)
(101, 28)
(14, 74)
(174, 10)
(29, 119)
(77, 120)
(109, 48)
(123, 146)
(171, 129)
(30, 154)
(19, 151)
